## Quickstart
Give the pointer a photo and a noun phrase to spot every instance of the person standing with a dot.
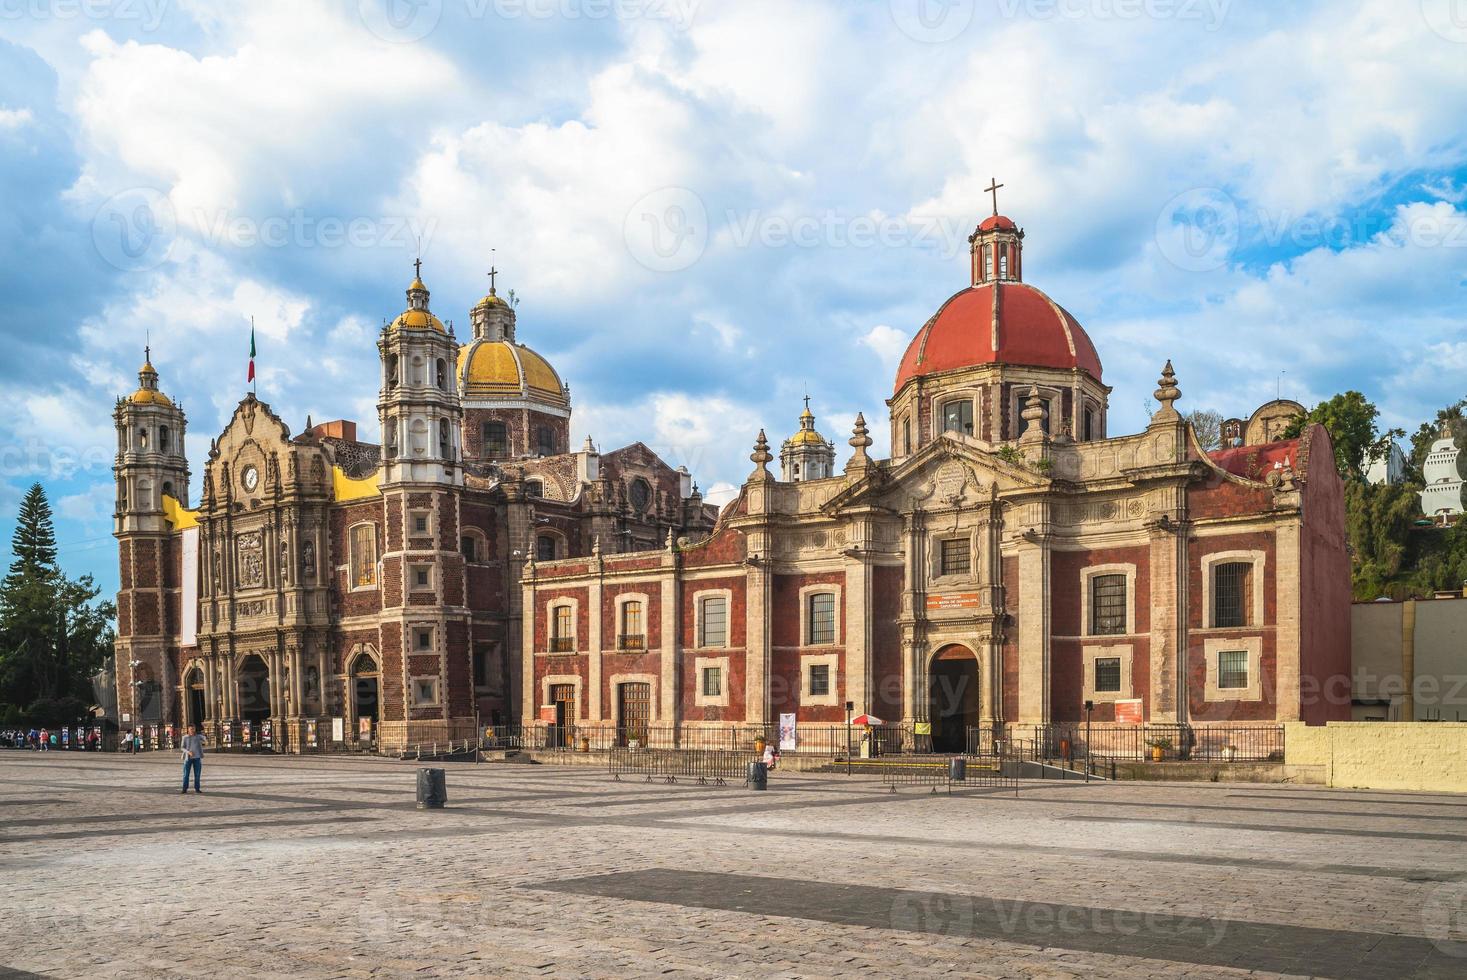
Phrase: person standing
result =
(193, 758)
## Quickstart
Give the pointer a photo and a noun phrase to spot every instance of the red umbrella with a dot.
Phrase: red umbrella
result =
(867, 720)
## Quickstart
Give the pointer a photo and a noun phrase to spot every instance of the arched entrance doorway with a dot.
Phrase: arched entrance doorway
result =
(952, 704)
(253, 682)
(193, 692)
(365, 677)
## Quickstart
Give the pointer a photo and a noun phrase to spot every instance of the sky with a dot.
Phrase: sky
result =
(709, 209)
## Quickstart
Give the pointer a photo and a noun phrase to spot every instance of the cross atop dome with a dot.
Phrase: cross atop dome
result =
(992, 188)
(997, 245)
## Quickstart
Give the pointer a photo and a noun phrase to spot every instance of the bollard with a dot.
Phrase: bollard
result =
(957, 770)
(432, 789)
(758, 777)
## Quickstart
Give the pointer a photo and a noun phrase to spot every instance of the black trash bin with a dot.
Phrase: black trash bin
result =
(957, 769)
(758, 777)
(432, 789)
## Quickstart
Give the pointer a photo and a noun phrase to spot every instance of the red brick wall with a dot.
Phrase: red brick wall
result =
(1199, 708)
(544, 598)
(1067, 661)
(886, 642)
(726, 546)
(1324, 593)
(563, 665)
(784, 670)
(651, 612)
(342, 517)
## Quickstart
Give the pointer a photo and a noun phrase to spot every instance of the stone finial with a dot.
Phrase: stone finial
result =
(1033, 416)
(589, 446)
(671, 542)
(1287, 482)
(1167, 392)
(860, 441)
(761, 457)
(596, 545)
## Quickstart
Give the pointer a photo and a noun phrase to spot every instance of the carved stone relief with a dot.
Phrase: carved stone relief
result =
(251, 551)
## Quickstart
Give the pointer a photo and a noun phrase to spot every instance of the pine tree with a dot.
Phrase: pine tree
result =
(52, 636)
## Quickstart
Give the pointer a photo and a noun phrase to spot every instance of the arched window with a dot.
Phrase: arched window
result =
(163, 438)
(389, 430)
(442, 374)
(445, 444)
(496, 439)
(363, 556)
(987, 262)
(544, 440)
(632, 631)
(142, 437)
(534, 488)
(168, 489)
(958, 417)
(545, 548)
(391, 370)
(906, 437)
(821, 619)
(1089, 424)
(1003, 263)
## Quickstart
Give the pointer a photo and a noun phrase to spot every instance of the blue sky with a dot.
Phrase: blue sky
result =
(709, 208)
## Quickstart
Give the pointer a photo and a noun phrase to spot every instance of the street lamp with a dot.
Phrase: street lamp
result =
(850, 706)
(1089, 707)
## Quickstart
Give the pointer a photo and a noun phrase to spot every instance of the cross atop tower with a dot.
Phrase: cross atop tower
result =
(807, 403)
(992, 188)
(492, 273)
(418, 268)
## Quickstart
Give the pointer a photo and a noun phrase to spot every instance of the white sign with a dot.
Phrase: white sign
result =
(338, 729)
(787, 738)
(126, 716)
(188, 606)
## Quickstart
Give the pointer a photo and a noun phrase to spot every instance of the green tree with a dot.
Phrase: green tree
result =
(1207, 423)
(1350, 420)
(53, 634)
(1430, 432)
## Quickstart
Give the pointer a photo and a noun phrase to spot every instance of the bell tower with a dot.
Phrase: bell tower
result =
(151, 473)
(997, 246)
(419, 406)
(806, 455)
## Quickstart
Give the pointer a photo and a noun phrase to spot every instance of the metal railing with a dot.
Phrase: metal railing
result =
(1172, 743)
(562, 644)
(702, 766)
(631, 641)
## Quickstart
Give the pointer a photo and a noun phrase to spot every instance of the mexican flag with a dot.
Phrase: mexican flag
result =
(251, 376)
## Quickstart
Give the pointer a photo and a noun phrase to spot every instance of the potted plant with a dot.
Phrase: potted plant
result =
(1159, 747)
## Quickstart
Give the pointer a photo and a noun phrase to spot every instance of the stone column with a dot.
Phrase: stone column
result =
(1167, 594)
(670, 657)
(1034, 630)
(759, 588)
(857, 632)
(595, 637)
(1287, 637)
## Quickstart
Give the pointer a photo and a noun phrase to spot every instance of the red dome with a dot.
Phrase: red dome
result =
(998, 223)
(1005, 322)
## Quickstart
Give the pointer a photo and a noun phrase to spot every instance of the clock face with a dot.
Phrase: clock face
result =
(251, 477)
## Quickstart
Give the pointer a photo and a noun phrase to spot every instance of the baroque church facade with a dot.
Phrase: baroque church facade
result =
(1011, 562)
(325, 589)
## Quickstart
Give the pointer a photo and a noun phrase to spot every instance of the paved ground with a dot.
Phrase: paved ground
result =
(307, 868)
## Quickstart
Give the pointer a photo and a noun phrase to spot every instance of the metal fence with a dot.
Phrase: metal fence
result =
(1158, 742)
(718, 767)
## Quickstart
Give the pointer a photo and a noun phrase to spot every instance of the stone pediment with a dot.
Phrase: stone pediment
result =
(254, 458)
(950, 472)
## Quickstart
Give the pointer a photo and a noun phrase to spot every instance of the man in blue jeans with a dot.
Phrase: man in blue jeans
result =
(193, 758)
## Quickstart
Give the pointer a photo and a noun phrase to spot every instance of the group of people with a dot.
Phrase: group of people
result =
(46, 739)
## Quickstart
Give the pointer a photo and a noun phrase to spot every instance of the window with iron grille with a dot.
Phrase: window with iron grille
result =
(1107, 605)
(496, 439)
(822, 619)
(1107, 675)
(562, 638)
(958, 417)
(713, 628)
(955, 557)
(363, 556)
(1232, 670)
(1231, 585)
(632, 636)
(712, 682)
(819, 680)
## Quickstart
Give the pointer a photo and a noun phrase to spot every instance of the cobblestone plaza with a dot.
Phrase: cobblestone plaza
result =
(323, 867)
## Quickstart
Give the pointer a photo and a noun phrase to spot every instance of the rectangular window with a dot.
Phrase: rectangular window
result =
(1231, 593)
(466, 545)
(1107, 675)
(496, 439)
(422, 638)
(418, 520)
(363, 556)
(958, 417)
(481, 667)
(633, 635)
(422, 578)
(955, 557)
(906, 437)
(819, 680)
(562, 638)
(1107, 605)
(712, 682)
(713, 629)
(425, 690)
(1232, 670)
(822, 619)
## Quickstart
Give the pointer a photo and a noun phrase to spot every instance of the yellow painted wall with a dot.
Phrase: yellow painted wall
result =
(1428, 756)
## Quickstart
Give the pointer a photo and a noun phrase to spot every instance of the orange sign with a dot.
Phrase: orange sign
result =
(1128, 712)
(547, 713)
(957, 600)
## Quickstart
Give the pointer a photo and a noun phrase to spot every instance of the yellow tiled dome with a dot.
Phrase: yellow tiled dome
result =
(500, 369)
(417, 320)
(148, 396)
(806, 434)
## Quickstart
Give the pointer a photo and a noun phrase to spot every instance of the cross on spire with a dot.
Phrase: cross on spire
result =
(807, 403)
(492, 273)
(992, 188)
(418, 268)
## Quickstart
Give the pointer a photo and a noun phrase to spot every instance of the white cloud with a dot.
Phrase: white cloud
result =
(889, 343)
(12, 119)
